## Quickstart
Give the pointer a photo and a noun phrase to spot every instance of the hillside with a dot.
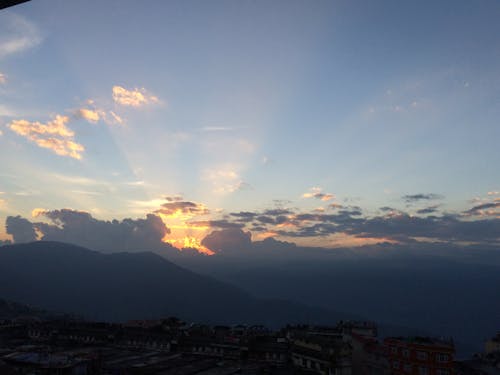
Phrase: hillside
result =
(122, 286)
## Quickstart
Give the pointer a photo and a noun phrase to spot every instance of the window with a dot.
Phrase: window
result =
(422, 356)
(442, 371)
(395, 364)
(406, 353)
(407, 367)
(442, 357)
(423, 370)
(394, 350)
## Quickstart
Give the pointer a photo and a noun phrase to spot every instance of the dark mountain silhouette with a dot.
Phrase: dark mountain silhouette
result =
(444, 295)
(12, 310)
(122, 286)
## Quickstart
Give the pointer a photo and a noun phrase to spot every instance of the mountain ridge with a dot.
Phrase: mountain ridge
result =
(122, 286)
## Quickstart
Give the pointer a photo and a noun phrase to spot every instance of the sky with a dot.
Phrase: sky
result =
(323, 123)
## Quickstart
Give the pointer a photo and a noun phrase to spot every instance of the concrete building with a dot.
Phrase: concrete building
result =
(420, 356)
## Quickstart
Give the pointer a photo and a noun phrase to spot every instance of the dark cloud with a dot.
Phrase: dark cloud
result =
(80, 228)
(315, 230)
(421, 197)
(428, 210)
(21, 229)
(386, 209)
(485, 206)
(445, 228)
(244, 216)
(277, 212)
(184, 207)
(229, 240)
(354, 211)
(266, 219)
(258, 228)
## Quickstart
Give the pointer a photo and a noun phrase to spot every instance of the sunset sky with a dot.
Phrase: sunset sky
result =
(324, 123)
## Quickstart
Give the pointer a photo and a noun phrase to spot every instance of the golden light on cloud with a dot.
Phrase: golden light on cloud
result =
(62, 147)
(54, 135)
(176, 214)
(189, 242)
(90, 115)
(264, 235)
(38, 212)
(133, 98)
(56, 127)
(316, 192)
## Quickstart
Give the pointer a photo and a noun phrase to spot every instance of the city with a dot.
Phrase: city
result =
(29, 345)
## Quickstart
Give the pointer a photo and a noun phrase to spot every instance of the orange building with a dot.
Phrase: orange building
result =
(420, 356)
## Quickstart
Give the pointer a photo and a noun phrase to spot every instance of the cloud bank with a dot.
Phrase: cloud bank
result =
(80, 228)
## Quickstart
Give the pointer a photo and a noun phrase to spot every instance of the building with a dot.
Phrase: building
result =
(493, 344)
(320, 350)
(369, 356)
(420, 356)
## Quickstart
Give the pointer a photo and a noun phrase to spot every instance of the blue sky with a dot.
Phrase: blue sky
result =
(249, 102)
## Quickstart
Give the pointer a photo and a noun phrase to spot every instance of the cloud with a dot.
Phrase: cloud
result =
(315, 192)
(229, 240)
(485, 209)
(137, 97)
(3, 79)
(114, 118)
(54, 135)
(244, 216)
(421, 197)
(182, 208)
(225, 180)
(17, 35)
(428, 210)
(94, 115)
(80, 228)
(21, 230)
(90, 115)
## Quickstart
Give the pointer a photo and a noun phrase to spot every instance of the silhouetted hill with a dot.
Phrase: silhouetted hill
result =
(445, 296)
(11, 310)
(122, 286)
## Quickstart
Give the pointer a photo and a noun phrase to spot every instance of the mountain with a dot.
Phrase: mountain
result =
(122, 286)
(11, 310)
(444, 295)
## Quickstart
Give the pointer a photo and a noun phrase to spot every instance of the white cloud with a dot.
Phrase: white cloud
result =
(224, 180)
(17, 35)
(3, 78)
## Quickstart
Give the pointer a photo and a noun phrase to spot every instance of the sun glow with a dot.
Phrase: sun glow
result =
(189, 242)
